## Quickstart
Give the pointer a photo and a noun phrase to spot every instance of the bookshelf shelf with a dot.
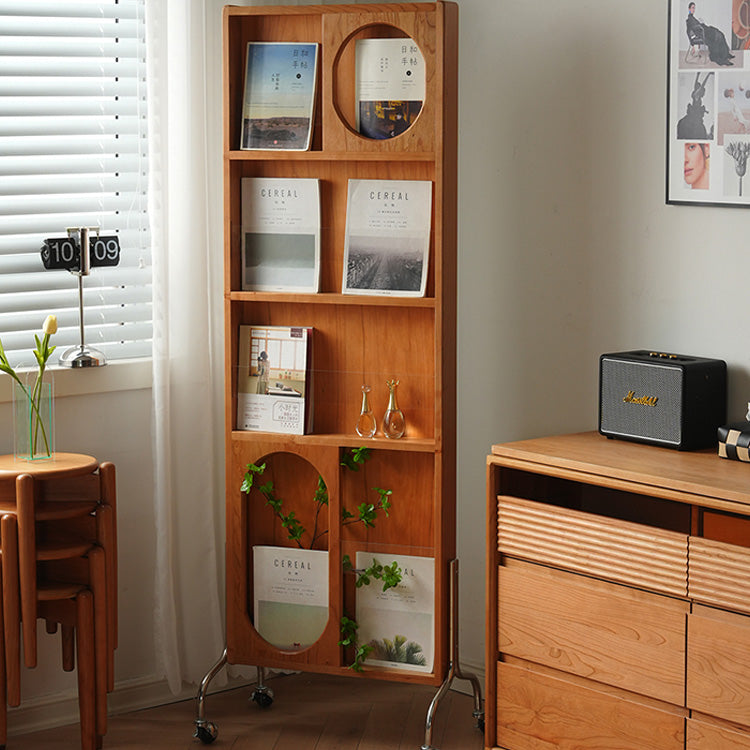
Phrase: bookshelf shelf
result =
(332, 298)
(407, 444)
(337, 156)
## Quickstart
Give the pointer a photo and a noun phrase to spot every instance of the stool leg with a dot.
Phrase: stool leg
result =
(86, 668)
(3, 681)
(27, 564)
(67, 634)
(98, 584)
(108, 489)
(11, 611)
(105, 534)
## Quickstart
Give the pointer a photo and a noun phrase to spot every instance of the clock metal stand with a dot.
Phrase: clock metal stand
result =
(82, 356)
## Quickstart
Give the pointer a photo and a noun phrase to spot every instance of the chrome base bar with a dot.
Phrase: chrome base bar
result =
(454, 668)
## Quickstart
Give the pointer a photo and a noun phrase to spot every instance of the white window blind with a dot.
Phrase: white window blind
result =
(73, 153)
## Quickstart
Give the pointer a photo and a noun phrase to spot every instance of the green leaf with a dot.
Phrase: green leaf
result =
(361, 454)
(355, 457)
(391, 576)
(321, 493)
(348, 629)
(252, 470)
(367, 514)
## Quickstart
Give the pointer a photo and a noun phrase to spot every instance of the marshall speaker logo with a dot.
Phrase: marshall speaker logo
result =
(631, 398)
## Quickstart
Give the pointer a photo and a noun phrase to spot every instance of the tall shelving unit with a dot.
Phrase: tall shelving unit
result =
(357, 339)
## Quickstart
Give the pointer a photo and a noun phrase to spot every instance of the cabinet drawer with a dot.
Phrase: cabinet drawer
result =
(602, 631)
(703, 736)
(632, 553)
(718, 664)
(719, 574)
(536, 711)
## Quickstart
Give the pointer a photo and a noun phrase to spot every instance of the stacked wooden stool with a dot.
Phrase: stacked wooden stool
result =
(58, 544)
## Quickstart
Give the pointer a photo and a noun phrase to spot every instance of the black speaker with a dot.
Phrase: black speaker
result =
(666, 399)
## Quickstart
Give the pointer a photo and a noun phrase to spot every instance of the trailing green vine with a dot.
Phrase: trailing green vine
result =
(366, 514)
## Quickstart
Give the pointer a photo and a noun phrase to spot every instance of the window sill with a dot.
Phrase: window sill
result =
(118, 375)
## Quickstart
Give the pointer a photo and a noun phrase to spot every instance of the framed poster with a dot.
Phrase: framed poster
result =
(708, 118)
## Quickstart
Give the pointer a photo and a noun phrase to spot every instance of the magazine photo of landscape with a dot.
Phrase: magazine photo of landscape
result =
(387, 237)
(277, 111)
(384, 264)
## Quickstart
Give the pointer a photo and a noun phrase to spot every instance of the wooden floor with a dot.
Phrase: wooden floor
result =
(309, 712)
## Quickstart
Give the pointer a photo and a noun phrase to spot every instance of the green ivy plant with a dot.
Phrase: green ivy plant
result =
(366, 514)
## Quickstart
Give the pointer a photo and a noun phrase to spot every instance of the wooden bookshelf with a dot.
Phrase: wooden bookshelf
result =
(357, 339)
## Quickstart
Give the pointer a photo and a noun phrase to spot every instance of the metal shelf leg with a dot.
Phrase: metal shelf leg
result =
(454, 668)
(206, 731)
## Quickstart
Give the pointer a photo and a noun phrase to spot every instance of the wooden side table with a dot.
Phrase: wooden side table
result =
(64, 511)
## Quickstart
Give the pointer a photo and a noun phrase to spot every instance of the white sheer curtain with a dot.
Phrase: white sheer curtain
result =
(184, 53)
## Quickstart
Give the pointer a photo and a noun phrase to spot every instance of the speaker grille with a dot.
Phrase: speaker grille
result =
(627, 407)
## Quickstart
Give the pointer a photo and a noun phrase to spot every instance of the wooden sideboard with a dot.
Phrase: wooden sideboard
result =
(618, 597)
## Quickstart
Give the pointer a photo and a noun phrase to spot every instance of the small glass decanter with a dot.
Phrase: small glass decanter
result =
(366, 424)
(393, 421)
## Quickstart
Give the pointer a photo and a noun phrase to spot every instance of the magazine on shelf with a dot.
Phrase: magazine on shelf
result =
(279, 96)
(389, 86)
(290, 595)
(387, 243)
(398, 623)
(274, 388)
(280, 234)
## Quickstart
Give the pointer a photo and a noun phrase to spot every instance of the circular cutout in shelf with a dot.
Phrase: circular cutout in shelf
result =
(290, 580)
(379, 82)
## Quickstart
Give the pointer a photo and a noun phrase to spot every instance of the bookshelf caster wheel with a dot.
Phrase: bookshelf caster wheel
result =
(263, 697)
(206, 732)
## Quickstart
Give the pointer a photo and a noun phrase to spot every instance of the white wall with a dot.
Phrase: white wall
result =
(566, 251)
(566, 247)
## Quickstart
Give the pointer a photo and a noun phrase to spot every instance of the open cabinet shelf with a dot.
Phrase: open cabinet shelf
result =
(358, 339)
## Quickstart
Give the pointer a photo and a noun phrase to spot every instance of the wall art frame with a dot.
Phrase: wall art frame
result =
(708, 102)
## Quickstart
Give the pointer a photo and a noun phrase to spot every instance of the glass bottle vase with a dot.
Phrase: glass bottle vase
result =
(394, 423)
(33, 417)
(366, 424)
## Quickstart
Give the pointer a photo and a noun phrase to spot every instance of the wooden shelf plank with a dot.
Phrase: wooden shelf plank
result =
(415, 445)
(325, 298)
(351, 156)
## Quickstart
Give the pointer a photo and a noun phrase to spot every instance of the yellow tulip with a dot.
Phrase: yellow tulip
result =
(50, 325)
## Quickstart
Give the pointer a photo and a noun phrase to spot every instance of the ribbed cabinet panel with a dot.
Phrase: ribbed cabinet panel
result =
(719, 574)
(617, 550)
